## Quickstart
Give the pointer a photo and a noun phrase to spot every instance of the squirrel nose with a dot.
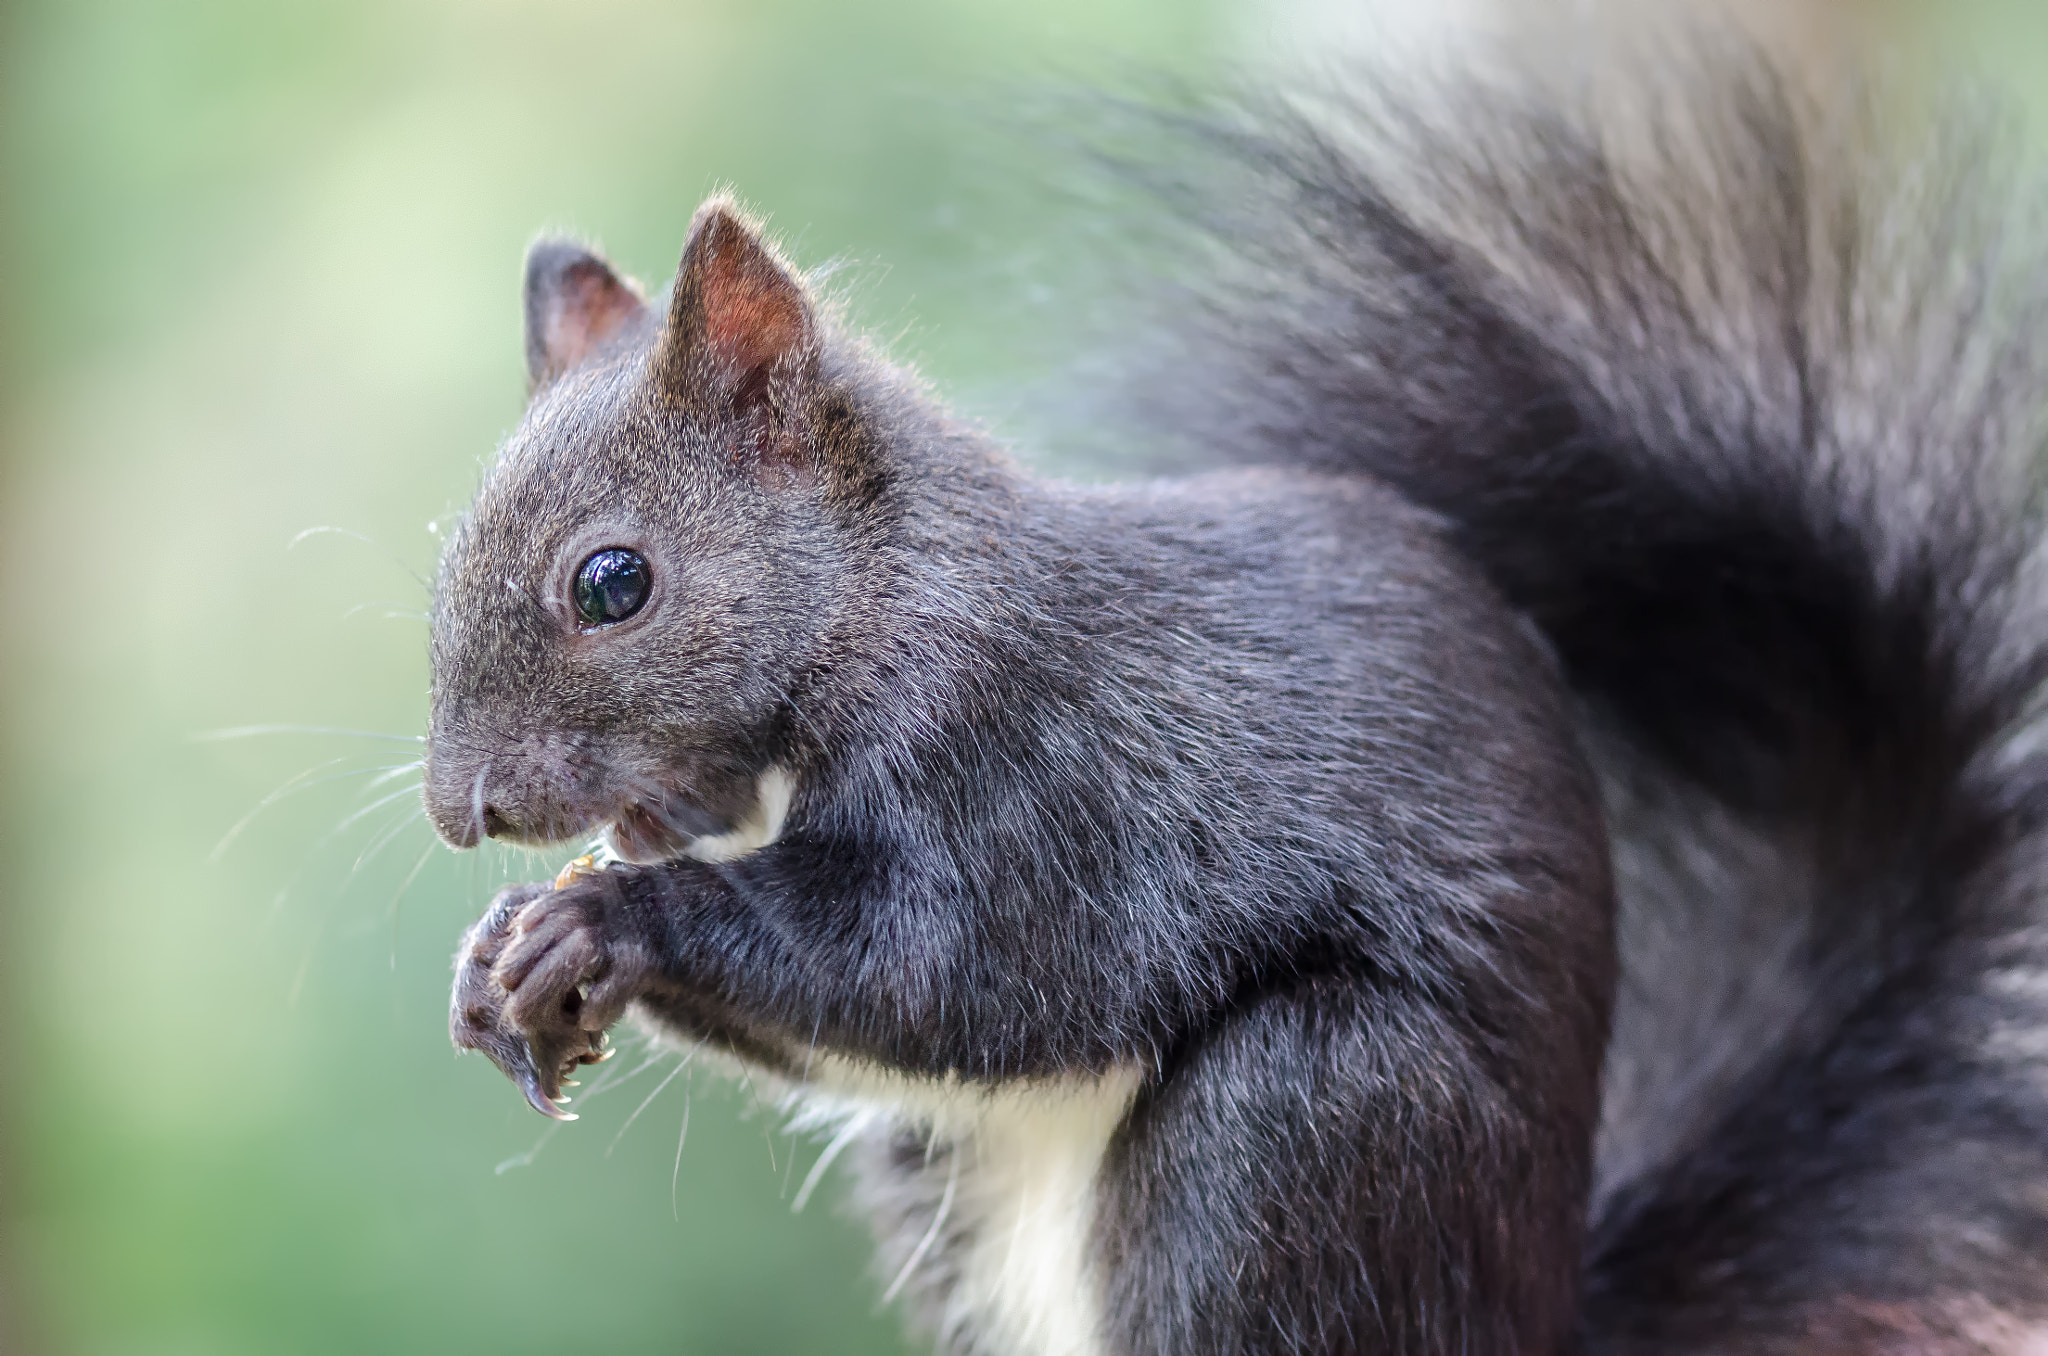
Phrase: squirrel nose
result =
(468, 828)
(470, 798)
(459, 814)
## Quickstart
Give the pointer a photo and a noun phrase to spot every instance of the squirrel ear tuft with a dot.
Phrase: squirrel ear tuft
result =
(574, 304)
(738, 318)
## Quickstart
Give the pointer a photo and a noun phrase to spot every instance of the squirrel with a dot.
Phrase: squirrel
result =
(1539, 850)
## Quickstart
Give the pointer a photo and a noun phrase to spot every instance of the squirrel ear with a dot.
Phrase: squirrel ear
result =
(738, 317)
(574, 304)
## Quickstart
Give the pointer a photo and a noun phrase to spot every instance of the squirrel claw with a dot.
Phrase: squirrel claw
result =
(539, 1100)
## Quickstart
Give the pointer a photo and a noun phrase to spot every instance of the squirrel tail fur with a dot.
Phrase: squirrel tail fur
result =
(1744, 410)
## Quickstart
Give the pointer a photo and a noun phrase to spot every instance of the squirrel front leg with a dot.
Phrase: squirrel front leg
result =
(793, 949)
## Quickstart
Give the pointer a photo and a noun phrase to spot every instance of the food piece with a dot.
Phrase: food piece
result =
(582, 866)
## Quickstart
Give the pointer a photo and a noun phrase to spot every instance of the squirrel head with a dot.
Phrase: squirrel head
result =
(650, 564)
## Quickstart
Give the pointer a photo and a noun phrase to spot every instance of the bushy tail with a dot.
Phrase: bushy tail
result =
(1746, 410)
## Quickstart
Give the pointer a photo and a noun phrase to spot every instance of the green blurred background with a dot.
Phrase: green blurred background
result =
(260, 276)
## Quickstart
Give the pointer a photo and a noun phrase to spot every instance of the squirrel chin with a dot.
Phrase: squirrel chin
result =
(639, 836)
(644, 838)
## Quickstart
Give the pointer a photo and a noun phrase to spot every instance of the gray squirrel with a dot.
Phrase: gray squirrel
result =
(1539, 850)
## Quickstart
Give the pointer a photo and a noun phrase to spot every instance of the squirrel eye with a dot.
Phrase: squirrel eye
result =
(611, 586)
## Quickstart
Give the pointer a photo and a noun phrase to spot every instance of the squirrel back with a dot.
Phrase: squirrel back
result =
(1744, 407)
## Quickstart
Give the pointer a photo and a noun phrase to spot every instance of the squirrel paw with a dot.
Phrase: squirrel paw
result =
(540, 978)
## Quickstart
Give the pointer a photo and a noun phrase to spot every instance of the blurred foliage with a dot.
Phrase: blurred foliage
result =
(260, 277)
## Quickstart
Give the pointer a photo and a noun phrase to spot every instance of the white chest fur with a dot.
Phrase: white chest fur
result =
(1023, 1159)
(762, 825)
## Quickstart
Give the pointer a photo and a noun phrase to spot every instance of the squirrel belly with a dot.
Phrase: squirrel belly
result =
(985, 1198)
